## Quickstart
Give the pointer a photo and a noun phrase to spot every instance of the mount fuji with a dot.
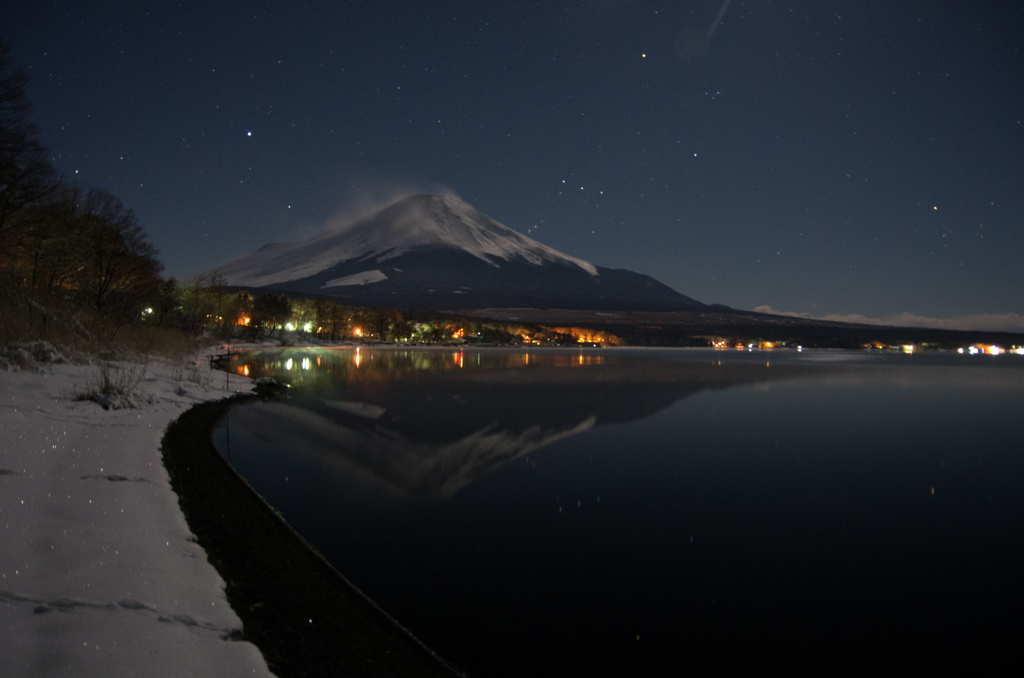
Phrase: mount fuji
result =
(431, 252)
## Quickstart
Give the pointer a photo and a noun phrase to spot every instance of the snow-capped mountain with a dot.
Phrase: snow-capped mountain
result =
(433, 252)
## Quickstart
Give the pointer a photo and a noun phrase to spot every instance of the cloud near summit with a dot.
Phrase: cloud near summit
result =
(995, 322)
(364, 200)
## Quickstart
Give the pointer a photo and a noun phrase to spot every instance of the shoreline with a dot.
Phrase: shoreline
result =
(302, 614)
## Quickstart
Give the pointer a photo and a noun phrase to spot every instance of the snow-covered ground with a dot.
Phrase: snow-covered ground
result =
(99, 575)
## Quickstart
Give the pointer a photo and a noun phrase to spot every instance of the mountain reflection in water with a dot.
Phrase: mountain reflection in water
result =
(430, 422)
(657, 512)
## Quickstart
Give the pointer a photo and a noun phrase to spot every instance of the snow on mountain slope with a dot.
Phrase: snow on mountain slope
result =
(418, 221)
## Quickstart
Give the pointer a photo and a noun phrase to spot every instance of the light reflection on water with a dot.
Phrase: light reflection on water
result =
(320, 367)
(653, 511)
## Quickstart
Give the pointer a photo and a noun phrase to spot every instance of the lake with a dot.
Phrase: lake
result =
(646, 512)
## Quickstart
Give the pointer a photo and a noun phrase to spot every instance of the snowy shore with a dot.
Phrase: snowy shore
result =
(99, 573)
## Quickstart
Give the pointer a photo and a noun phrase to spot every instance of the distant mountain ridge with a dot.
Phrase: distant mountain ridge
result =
(430, 252)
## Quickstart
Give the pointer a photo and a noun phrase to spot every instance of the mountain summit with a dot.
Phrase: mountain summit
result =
(431, 252)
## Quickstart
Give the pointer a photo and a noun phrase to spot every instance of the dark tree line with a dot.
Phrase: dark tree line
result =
(83, 244)
(26, 174)
(63, 248)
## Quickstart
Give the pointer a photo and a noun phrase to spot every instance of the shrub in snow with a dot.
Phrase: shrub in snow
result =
(19, 358)
(189, 369)
(43, 352)
(27, 354)
(114, 386)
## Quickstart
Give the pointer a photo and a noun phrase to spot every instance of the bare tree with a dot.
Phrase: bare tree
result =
(121, 268)
(49, 251)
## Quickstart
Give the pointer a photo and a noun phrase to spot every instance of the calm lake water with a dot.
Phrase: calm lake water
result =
(647, 512)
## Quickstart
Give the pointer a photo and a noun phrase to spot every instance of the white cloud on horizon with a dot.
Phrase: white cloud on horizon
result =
(995, 322)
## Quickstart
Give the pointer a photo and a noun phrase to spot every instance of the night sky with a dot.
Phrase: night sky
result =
(856, 157)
